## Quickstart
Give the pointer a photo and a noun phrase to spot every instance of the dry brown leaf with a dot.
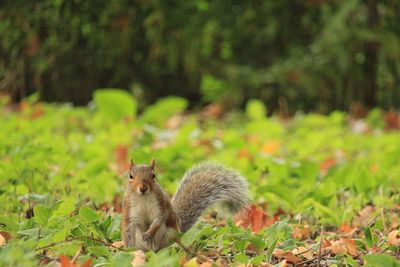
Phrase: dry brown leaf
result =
(121, 156)
(327, 164)
(343, 246)
(394, 238)
(283, 263)
(65, 262)
(326, 243)
(117, 244)
(208, 263)
(365, 216)
(303, 252)
(301, 232)
(2, 241)
(337, 248)
(254, 217)
(244, 153)
(139, 258)
(286, 255)
(346, 229)
(6, 235)
(350, 245)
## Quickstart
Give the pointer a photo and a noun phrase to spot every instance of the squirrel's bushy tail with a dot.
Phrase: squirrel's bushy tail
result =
(205, 185)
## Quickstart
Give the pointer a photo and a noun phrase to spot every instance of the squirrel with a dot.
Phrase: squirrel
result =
(150, 219)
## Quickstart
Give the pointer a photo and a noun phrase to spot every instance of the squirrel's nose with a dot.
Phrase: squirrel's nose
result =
(143, 190)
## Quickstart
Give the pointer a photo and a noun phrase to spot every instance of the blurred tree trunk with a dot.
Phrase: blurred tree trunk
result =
(371, 57)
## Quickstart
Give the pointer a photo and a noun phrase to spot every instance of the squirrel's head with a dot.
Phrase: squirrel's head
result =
(142, 177)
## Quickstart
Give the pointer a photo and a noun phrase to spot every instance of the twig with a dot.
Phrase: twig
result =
(186, 249)
(313, 259)
(45, 257)
(77, 254)
(54, 244)
(320, 246)
(303, 252)
(80, 239)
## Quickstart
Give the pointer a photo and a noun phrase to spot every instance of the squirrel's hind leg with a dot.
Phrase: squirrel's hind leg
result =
(164, 237)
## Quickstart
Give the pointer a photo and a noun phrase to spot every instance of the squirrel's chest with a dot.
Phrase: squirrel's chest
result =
(145, 209)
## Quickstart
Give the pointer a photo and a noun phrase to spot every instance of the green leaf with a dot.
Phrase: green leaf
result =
(190, 236)
(100, 251)
(256, 110)
(368, 237)
(42, 214)
(380, 260)
(65, 208)
(164, 109)
(115, 104)
(270, 250)
(9, 223)
(242, 258)
(88, 215)
(121, 259)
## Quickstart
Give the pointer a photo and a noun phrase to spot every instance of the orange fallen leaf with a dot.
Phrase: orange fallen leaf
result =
(392, 120)
(121, 155)
(343, 246)
(37, 112)
(6, 235)
(244, 153)
(327, 164)
(117, 244)
(286, 255)
(270, 147)
(215, 111)
(350, 245)
(394, 238)
(65, 262)
(337, 248)
(139, 258)
(301, 232)
(2, 241)
(255, 218)
(345, 228)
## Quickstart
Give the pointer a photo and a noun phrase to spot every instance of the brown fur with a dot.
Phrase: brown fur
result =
(150, 219)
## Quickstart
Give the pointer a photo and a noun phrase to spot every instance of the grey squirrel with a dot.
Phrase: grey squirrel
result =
(150, 219)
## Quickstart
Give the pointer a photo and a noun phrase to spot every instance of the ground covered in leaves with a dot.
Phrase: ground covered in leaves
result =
(325, 189)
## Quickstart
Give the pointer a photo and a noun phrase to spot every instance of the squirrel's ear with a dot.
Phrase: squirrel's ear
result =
(152, 163)
(132, 164)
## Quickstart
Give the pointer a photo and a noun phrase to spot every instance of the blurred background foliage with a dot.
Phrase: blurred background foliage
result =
(312, 55)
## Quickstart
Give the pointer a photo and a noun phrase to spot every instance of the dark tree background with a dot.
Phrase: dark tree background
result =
(315, 55)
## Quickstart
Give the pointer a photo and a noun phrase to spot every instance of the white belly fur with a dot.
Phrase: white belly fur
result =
(144, 210)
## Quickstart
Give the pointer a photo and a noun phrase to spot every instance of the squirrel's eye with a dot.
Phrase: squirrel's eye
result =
(130, 176)
(154, 175)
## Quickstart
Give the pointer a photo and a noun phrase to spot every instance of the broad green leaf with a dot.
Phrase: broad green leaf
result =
(380, 260)
(256, 110)
(115, 104)
(163, 110)
(88, 215)
(100, 251)
(42, 214)
(241, 258)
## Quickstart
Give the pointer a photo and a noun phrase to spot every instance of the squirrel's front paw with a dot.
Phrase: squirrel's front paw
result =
(146, 237)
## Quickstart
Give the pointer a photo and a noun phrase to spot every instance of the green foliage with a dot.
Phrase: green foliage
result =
(380, 260)
(115, 104)
(67, 166)
(255, 110)
(164, 109)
